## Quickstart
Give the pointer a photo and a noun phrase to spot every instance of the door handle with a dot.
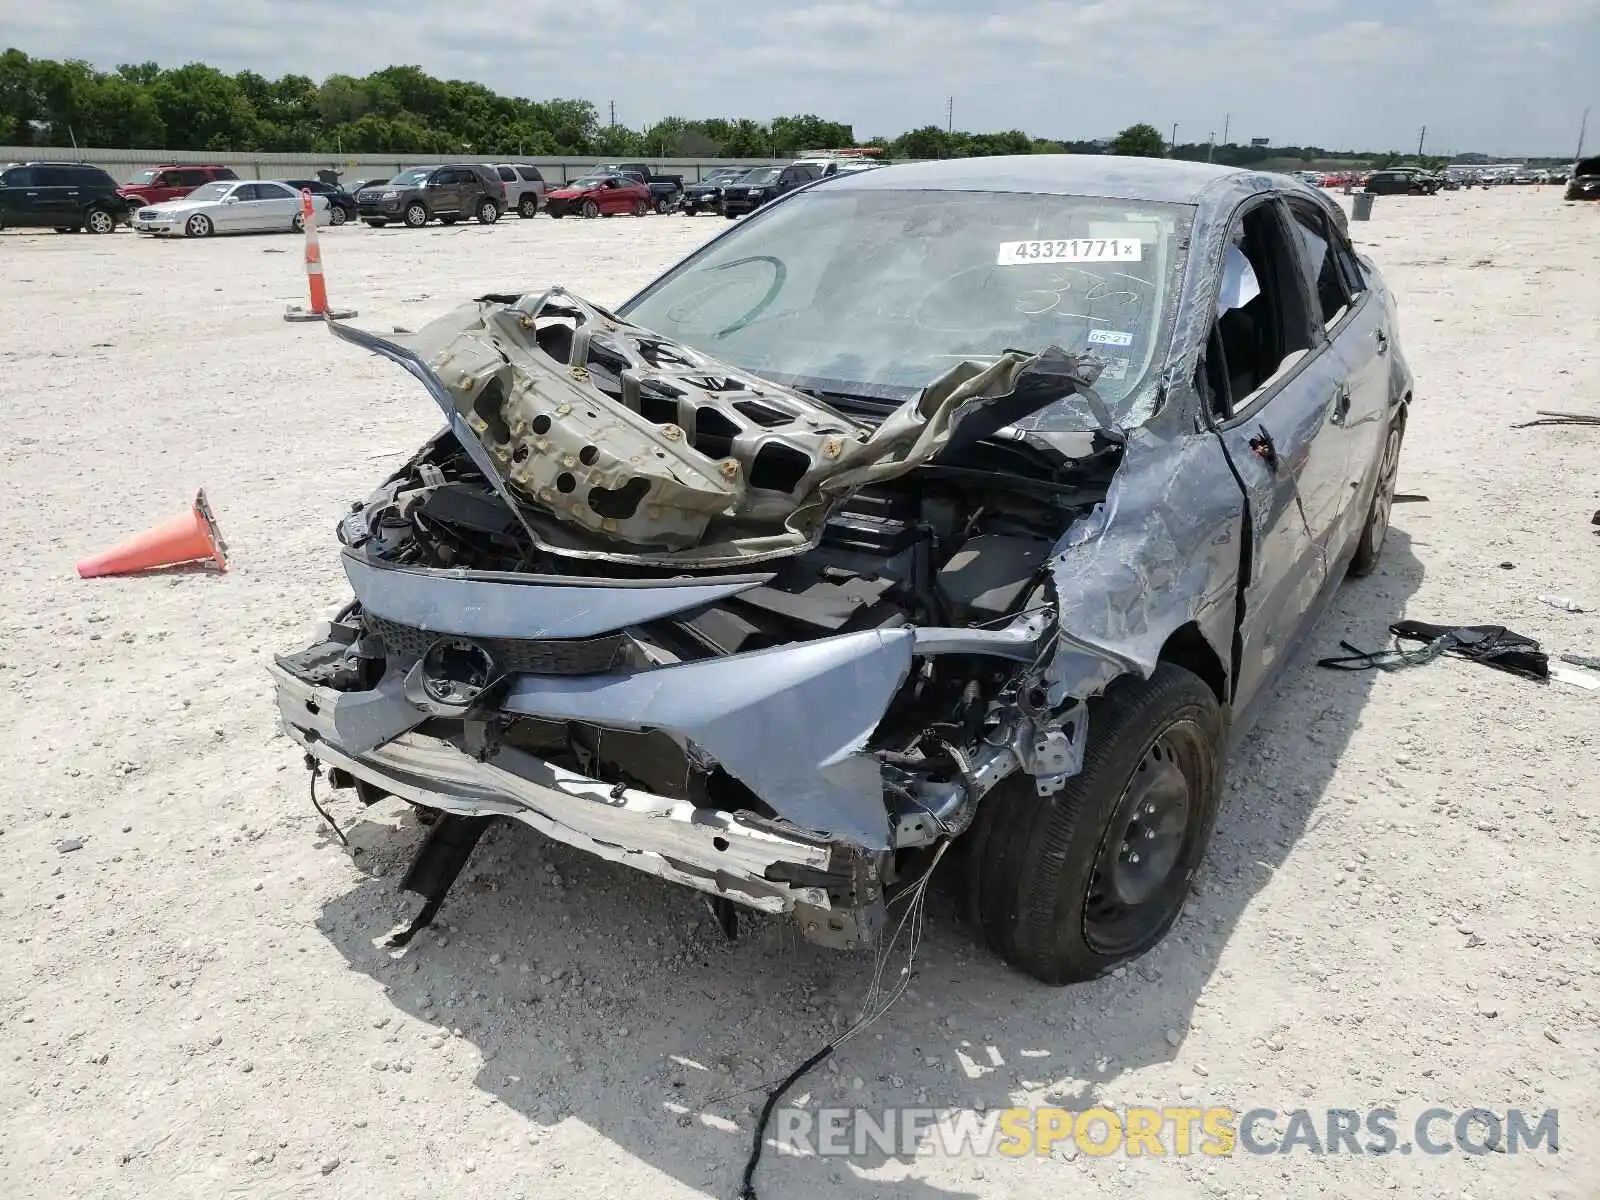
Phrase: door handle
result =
(1341, 405)
(1382, 339)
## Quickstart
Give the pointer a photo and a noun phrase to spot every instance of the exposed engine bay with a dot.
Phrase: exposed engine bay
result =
(626, 570)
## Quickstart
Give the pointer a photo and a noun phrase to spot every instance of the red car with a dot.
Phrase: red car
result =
(600, 195)
(156, 184)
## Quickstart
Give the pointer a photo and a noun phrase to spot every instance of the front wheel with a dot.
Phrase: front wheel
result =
(590, 210)
(641, 208)
(527, 208)
(1370, 548)
(337, 216)
(663, 206)
(198, 226)
(416, 216)
(1066, 887)
(488, 212)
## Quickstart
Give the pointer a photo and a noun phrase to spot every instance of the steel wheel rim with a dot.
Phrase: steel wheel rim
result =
(101, 222)
(1142, 850)
(1383, 501)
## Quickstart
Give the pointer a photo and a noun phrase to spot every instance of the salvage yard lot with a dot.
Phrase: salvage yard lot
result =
(1401, 905)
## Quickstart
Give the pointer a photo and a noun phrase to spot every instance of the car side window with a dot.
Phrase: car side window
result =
(1355, 276)
(193, 178)
(52, 177)
(1262, 327)
(18, 177)
(507, 174)
(275, 191)
(1321, 266)
(530, 174)
(221, 173)
(248, 191)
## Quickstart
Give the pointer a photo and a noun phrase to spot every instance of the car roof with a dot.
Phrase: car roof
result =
(1102, 175)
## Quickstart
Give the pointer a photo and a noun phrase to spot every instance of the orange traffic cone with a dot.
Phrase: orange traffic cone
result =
(188, 538)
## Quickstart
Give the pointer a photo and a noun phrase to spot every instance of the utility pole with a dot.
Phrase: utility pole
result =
(1583, 128)
(1211, 144)
(1227, 123)
(1421, 137)
(1174, 142)
(613, 112)
(950, 114)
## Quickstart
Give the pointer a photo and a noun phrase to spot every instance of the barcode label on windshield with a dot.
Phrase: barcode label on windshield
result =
(1018, 254)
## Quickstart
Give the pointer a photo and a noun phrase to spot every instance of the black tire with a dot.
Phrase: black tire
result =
(375, 224)
(1044, 871)
(298, 224)
(488, 212)
(100, 221)
(528, 208)
(337, 216)
(198, 226)
(663, 206)
(416, 215)
(590, 210)
(642, 208)
(556, 216)
(729, 215)
(66, 229)
(448, 220)
(1376, 529)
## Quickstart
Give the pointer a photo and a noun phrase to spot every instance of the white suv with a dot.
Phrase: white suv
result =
(525, 187)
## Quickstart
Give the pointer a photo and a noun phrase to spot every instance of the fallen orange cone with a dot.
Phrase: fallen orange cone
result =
(188, 538)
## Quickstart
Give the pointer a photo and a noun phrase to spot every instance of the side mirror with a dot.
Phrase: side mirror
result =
(230, 199)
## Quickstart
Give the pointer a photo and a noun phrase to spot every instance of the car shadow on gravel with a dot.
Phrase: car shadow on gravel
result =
(597, 995)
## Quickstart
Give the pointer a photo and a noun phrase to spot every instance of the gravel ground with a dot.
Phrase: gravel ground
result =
(1401, 906)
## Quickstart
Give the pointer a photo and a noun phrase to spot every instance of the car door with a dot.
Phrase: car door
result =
(231, 213)
(1274, 389)
(611, 198)
(57, 202)
(277, 205)
(1356, 325)
(452, 188)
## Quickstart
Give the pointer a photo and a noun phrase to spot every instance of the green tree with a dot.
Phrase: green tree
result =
(1140, 141)
(928, 142)
(203, 109)
(19, 98)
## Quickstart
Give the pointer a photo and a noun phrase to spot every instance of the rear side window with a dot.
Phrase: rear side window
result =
(1321, 264)
(530, 174)
(190, 178)
(54, 177)
(507, 174)
(220, 173)
(18, 177)
(273, 191)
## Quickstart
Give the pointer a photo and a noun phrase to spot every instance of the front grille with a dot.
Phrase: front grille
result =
(148, 214)
(512, 656)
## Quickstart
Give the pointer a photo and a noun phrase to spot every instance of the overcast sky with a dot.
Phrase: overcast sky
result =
(1500, 76)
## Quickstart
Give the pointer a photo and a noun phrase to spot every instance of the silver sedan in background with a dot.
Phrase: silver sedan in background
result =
(231, 206)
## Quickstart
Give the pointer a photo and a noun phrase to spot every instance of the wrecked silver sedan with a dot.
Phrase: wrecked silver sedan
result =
(963, 500)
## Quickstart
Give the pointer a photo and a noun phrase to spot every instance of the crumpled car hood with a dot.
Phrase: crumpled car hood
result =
(611, 442)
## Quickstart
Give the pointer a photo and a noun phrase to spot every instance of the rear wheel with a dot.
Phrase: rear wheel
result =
(1370, 548)
(66, 229)
(336, 216)
(590, 210)
(448, 220)
(663, 206)
(528, 208)
(1066, 887)
(100, 220)
(556, 216)
(375, 224)
(416, 215)
(298, 225)
(488, 212)
(198, 226)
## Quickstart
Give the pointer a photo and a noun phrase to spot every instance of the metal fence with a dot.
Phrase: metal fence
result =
(121, 164)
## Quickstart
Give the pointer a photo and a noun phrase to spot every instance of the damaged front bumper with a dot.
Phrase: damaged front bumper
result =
(790, 724)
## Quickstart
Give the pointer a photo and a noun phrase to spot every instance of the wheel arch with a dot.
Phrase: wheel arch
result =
(1188, 648)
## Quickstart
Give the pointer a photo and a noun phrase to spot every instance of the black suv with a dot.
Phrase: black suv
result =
(447, 193)
(750, 192)
(1402, 183)
(65, 197)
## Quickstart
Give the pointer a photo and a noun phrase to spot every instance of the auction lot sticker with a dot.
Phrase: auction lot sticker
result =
(1049, 250)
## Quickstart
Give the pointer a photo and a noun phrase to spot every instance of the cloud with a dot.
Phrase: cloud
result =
(1503, 76)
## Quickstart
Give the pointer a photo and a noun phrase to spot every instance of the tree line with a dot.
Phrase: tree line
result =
(404, 110)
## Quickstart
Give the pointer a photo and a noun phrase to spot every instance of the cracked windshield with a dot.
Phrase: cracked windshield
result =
(881, 292)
